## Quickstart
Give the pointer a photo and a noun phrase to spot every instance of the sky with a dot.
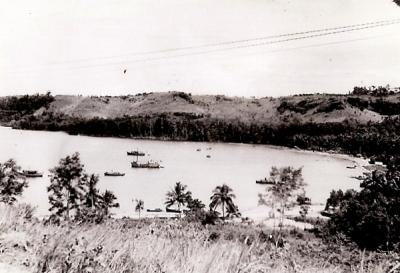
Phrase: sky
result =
(104, 47)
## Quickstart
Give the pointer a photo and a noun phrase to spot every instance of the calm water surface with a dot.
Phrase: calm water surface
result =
(238, 165)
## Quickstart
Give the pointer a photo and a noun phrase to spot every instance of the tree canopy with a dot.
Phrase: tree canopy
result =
(139, 206)
(73, 193)
(223, 196)
(179, 195)
(285, 188)
(12, 183)
(371, 217)
(68, 185)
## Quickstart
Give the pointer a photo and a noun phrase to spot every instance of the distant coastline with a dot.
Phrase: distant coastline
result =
(360, 124)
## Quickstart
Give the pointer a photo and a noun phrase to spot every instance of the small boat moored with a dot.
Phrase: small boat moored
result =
(136, 153)
(147, 165)
(264, 182)
(360, 177)
(112, 173)
(31, 173)
(154, 210)
(167, 209)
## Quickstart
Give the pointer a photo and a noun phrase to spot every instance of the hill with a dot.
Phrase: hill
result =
(306, 108)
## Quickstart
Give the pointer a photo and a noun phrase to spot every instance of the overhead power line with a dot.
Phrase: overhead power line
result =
(235, 44)
(208, 45)
(258, 44)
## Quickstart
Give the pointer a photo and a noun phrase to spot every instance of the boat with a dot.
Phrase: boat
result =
(198, 150)
(154, 210)
(264, 182)
(147, 165)
(351, 167)
(112, 173)
(208, 156)
(136, 153)
(167, 209)
(31, 173)
(360, 177)
(327, 213)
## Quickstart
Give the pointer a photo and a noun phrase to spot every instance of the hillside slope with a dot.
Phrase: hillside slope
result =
(303, 109)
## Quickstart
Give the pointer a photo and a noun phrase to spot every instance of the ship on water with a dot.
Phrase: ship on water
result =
(148, 165)
(31, 173)
(136, 153)
(265, 181)
(112, 173)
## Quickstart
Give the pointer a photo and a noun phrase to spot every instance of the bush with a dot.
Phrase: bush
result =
(301, 107)
(371, 218)
(330, 106)
(184, 96)
(357, 102)
(12, 182)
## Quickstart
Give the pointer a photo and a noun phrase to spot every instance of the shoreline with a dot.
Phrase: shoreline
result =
(331, 153)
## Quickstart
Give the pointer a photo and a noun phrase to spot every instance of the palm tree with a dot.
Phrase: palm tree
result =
(178, 195)
(139, 206)
(233, 211)
(93, 197)
(222, 195)
(108, 201)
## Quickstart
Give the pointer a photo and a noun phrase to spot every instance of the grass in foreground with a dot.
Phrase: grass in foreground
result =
(169, 246)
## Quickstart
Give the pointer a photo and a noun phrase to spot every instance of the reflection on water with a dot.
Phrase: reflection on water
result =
(237, 165)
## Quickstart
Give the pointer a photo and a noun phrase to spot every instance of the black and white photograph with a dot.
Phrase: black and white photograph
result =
(200, 136)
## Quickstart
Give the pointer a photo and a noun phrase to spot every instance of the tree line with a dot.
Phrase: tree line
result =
(371, 139)
(15, 107)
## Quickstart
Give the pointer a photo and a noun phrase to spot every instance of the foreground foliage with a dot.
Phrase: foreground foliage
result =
(74, 194)
(370, 217)
(171, 246)
(285, 191)
(223, 196)
(12, 183)
(179, 196)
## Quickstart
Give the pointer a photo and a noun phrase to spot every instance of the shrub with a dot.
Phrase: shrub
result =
(73, 194)
(12, 183)
(330, 106)
(371, 217)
